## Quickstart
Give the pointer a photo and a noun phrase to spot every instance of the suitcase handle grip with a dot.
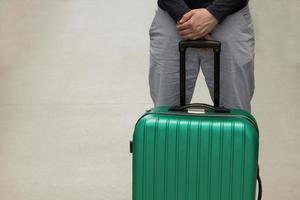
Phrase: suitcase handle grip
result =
(216, 46)
(200, 106)
(212, 44)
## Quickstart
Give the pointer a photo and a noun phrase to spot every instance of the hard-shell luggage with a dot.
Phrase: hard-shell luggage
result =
(196, 151)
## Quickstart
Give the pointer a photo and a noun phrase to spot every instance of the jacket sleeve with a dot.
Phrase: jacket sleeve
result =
(220, 9)
(175, 8)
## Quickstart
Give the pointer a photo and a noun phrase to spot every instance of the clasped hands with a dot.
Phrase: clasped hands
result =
(196, 24)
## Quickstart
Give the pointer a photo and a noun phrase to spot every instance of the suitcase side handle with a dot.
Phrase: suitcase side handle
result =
(216, 46)
(200, 106)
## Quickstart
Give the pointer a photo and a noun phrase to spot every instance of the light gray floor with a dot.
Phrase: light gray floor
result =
(73, 81)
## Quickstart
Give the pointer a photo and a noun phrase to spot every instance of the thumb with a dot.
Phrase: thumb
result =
(186, 17)
(208, 37)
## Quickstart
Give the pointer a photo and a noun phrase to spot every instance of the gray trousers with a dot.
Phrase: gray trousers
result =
(237, 61)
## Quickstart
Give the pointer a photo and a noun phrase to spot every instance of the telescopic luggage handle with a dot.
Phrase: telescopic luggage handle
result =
(216, 46)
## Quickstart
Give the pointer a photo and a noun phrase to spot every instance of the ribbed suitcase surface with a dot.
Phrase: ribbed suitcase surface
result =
(195, 156)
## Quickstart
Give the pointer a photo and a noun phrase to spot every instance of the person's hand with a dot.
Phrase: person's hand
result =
(196, 24)
(208, 37)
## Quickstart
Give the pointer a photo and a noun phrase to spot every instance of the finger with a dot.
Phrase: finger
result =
(193, 36)
(202, 34)
(184, 26)
(208, 37)
(186, 17)
(190, 36)
(185, 32)
(187, 37)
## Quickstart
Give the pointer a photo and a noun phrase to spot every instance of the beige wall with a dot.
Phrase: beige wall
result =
(73, 81)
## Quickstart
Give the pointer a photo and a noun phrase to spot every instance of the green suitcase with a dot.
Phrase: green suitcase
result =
(196, 151)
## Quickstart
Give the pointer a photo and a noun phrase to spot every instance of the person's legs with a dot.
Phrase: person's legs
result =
(237, 61)
(164, 62)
